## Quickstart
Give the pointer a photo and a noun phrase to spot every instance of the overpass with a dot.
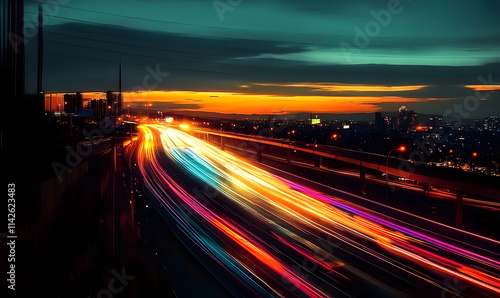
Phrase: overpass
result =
(455, 180)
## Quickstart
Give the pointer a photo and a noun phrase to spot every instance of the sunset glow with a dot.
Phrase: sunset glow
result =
(346, 87)
(246, 103)
(484, 87)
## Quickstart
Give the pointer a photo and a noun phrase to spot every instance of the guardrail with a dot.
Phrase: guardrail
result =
(456, 180)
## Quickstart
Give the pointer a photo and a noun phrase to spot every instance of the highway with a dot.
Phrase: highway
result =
(265, 234)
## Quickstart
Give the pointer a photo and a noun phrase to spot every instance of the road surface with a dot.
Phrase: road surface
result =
(269, 235)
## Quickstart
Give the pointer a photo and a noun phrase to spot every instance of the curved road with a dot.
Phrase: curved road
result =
(262, 234)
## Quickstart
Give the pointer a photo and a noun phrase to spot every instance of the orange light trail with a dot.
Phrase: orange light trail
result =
(288, 215)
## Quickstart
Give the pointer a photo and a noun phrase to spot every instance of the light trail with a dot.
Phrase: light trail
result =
(260, 225)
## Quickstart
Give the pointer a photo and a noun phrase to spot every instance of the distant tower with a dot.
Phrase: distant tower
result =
(407, 120)
(120, 98)
(72, 102)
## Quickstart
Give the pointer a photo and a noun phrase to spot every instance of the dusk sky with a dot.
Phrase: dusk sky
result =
(276, 56)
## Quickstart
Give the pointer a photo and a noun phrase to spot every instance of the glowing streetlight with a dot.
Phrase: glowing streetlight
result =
(290, 133)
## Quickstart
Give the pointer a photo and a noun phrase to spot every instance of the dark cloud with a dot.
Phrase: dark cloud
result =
(220, 56)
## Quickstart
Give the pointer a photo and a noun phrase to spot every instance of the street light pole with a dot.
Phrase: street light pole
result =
(147, 109)
(290, 133)
(402, 148)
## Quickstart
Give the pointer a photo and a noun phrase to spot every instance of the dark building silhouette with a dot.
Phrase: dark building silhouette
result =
(407, 120)
(111, 102)
(72, 102)
(436, 122)
(99, 108)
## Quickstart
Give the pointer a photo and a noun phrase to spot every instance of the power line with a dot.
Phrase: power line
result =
(175, 22)
(175, 51)
(143, 19)
(138, 46)
(323, 36)
(135, 54)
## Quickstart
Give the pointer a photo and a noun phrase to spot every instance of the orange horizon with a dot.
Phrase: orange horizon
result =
(247, 103)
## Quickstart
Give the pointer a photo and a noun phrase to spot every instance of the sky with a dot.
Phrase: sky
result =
(275, 56)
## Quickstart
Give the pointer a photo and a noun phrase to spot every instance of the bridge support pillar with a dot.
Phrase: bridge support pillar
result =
(259, 152)
(425, 188)
(318, 160)
(362, 178)
(221, 143)
(460, 206)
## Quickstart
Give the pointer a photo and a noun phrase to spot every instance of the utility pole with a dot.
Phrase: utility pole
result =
(39, 81)
(120, 99)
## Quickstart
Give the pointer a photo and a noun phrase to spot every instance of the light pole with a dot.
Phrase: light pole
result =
(289, 153)
(473, 162)
(292, 132)
(147, 109)
(402, 149)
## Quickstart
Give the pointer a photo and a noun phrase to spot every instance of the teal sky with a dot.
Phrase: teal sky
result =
(436, 43)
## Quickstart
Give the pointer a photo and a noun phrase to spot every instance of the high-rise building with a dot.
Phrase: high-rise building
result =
(388, 123)
(113, 102)
(72, 102)
(99, 108)
(407, 120)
